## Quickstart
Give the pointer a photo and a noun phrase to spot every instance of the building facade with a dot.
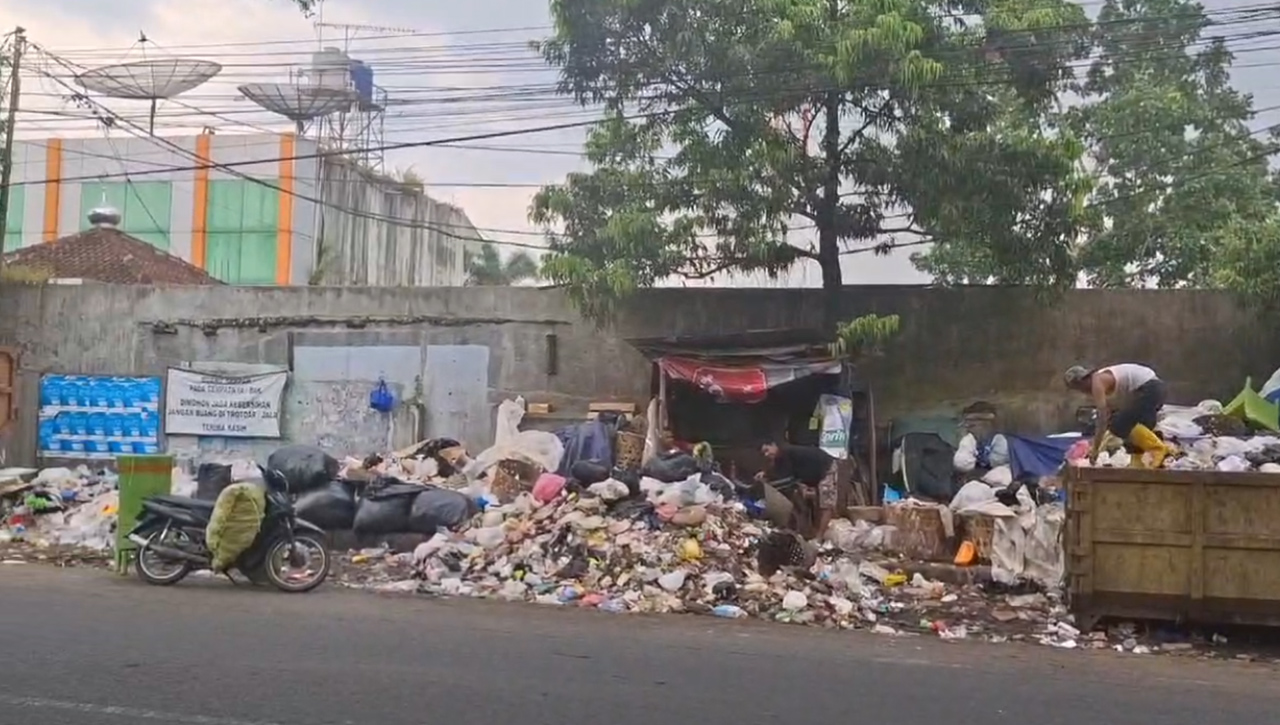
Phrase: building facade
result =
(266, 209)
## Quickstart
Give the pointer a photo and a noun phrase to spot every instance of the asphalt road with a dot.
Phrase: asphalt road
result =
(87, 648)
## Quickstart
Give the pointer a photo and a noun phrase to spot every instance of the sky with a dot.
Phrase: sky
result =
(449, 55)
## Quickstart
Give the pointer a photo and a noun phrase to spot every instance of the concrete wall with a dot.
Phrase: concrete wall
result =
(956, 346)
(1005, 345)
(337, 340)
(426, 245)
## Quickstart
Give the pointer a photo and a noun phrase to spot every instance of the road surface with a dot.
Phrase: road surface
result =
(88, 648)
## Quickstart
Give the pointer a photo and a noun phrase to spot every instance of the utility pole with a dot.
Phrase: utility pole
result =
(11, 117)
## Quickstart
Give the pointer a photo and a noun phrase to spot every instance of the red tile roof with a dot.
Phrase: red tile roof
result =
(103, 254)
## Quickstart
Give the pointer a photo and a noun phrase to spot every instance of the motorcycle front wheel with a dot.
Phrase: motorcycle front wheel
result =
(297, 566)
(153, 568)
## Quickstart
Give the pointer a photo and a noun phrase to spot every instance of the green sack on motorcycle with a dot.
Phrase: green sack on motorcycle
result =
(237, 518)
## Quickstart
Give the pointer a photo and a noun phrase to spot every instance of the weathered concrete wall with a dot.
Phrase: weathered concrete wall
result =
(143, 331)
(1000, 344)
(956, 346)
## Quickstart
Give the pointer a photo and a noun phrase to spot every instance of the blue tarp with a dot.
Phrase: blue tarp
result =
(1037, 455)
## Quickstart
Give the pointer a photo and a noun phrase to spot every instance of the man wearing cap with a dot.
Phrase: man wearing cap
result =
(1128, 397)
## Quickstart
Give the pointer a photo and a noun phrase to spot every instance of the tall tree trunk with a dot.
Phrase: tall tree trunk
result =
(828, 240)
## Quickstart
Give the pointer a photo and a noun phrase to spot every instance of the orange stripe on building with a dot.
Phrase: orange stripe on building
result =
(200, 205)
(52, 188)
(284, 233)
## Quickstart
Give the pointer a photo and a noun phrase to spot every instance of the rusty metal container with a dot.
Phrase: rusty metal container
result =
(1174, 545)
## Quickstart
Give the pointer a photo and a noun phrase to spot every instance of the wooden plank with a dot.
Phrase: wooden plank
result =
(612, 407)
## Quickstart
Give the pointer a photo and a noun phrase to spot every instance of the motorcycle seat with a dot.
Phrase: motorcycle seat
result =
(184, 502)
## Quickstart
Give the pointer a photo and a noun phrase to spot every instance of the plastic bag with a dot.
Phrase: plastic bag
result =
(547, 487)
(182, 484)
(510, 413)
(234, 524)
(534, 446)
(437, 508)
(690, 492)
(332, 508)
(999, 476)
(589, 472)
(384, 516)
(307, 468)
(630, 478)
(672, 468)
(385, 506)
(211, 478)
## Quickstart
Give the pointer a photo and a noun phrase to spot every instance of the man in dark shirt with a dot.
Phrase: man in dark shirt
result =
(817, 476)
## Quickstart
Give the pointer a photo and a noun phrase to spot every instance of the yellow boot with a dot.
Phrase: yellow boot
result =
(1148, 442)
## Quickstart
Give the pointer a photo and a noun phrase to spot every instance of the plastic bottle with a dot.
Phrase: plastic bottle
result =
(729, 611)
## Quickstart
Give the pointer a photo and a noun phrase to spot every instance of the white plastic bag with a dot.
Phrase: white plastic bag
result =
(510, 413)
(535, 446)
(999, 477)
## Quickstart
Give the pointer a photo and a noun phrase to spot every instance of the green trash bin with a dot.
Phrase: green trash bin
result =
(140, 476)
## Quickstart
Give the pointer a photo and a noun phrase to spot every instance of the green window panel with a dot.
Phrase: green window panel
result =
(145, 207)
(13, 220)
(241, 227)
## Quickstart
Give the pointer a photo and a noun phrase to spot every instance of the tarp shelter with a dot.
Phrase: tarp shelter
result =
(736, 389)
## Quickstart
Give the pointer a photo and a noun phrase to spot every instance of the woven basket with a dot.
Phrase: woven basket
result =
(981, 530)
(783, 549)
(510, 478)
(920, 534)
(630, 449)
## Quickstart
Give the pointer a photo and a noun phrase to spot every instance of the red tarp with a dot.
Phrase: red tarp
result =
(744, 382)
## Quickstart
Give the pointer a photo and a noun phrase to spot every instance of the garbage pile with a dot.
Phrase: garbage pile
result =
(69, 508)
(61, 507)
(1205, 438)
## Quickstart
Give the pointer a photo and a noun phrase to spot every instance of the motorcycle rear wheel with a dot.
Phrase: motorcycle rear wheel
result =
(283, 552)
(174, 573)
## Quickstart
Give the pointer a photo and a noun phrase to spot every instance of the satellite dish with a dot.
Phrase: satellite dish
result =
(299, 103)
(149, 80)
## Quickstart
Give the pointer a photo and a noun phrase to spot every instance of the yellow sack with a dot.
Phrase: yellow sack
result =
(236, 520)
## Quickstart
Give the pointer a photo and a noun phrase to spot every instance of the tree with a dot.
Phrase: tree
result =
(487, 269)
(1177, 171)
(1177, 163)
(732, 126)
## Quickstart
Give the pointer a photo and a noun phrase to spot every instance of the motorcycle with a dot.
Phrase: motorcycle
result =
(170, 535)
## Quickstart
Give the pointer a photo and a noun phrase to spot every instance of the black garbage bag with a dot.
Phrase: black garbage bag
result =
(211, 478)
(589, 472)
(307, 468)
(672, 468)
(439, 507)
(332, 508)
(630, 478)
(384, 507)
(718, 483)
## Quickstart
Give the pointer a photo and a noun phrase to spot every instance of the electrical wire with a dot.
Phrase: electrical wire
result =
(461, 142)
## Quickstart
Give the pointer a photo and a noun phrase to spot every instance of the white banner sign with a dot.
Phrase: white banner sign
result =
(202, 404)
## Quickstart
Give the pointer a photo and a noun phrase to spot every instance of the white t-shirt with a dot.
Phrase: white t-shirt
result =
(1129, 376)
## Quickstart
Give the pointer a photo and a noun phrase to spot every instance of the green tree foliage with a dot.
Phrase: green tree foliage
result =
(750, 134)
(1176, 161)
(1177, 173)
(488, 269)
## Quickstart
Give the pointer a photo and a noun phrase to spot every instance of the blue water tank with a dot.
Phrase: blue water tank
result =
(362, 79)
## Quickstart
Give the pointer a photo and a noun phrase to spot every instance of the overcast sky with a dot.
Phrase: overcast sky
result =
(427, 74)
